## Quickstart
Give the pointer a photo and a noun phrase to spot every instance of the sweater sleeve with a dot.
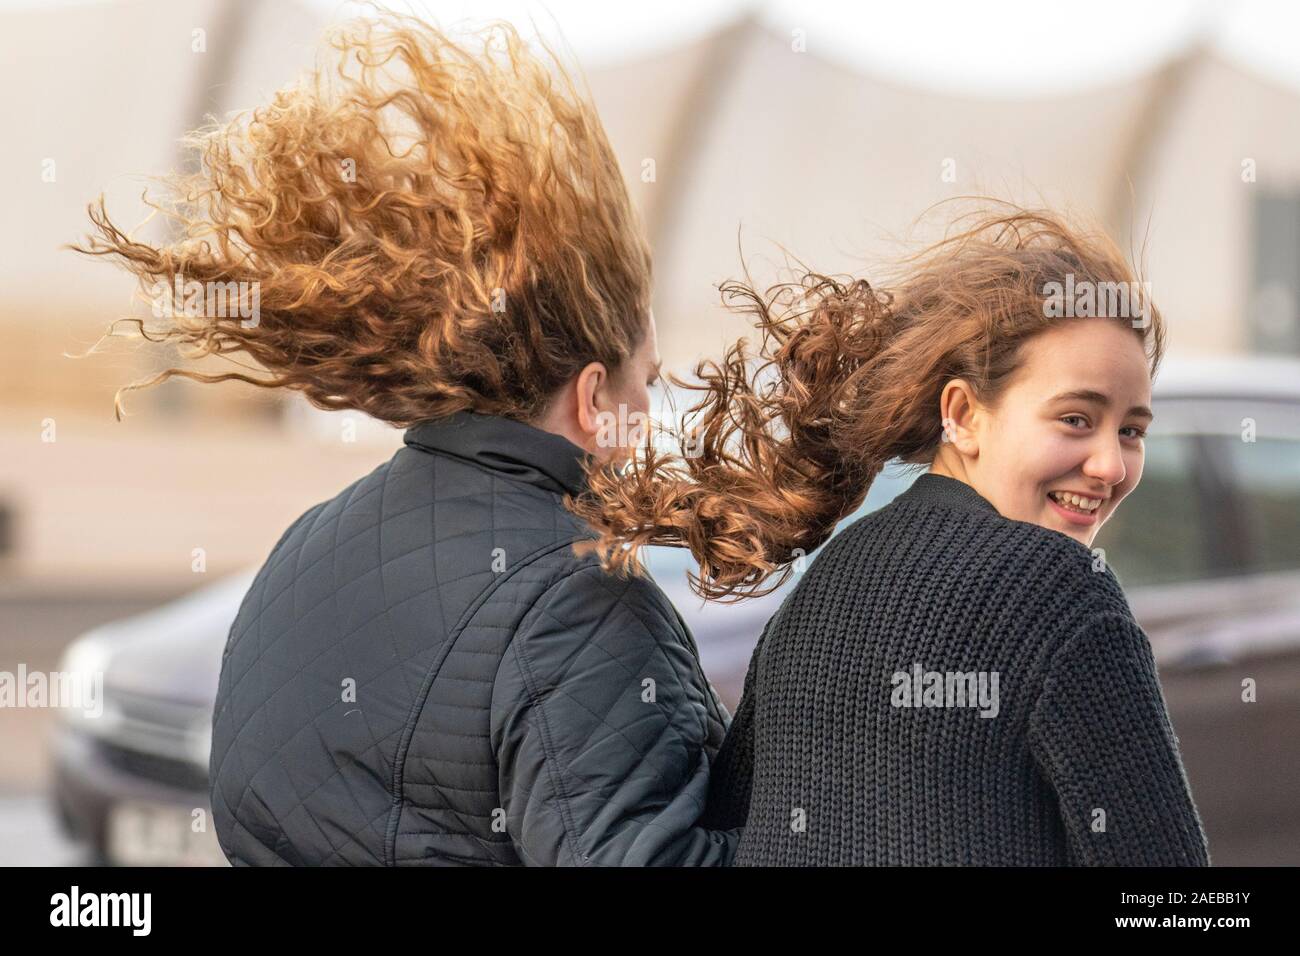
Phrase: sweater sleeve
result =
(601, 722)
(1101, 733)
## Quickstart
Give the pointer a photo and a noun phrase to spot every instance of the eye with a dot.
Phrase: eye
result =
(1141, 432)
(1067, 418)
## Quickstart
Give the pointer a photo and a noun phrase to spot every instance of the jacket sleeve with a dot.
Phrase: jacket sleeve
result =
(732, 781)
(1101, 733)
(601, 722)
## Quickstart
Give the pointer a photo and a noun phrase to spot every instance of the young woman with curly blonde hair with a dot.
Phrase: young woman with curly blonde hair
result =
(423, 672)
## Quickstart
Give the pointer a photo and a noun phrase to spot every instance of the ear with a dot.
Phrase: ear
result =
(588, 387)
(960, 412)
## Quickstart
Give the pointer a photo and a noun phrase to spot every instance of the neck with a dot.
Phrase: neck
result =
(950, 465)
(559, 421)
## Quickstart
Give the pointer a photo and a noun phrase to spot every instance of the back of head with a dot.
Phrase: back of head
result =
(846, 377)
(428, 224)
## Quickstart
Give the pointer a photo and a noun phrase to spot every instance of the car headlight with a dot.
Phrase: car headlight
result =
(83, 666)
(200, 740)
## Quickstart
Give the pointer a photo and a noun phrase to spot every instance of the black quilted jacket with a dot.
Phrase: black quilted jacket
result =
(423, 672)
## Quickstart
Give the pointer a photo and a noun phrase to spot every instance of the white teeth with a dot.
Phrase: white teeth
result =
(1078, 502)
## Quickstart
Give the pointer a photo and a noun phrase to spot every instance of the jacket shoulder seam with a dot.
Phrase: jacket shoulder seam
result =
(417, 706)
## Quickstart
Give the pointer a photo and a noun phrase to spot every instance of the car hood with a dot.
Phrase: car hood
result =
(174, 651)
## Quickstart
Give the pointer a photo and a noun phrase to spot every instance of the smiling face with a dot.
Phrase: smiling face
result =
(1064, 445)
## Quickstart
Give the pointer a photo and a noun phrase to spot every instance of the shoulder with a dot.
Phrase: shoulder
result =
(982, 544)
(576, 596)
(1041, 583)
(587, 624)
(364, 495)
(1086, 615)
(593, 644)
(280, 568)
(1065, 564)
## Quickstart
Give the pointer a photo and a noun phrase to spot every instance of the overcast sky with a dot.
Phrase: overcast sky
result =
(996, 47)
(991, 48)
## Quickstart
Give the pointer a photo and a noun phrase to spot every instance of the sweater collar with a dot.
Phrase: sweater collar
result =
(931, 488)
(510, 448)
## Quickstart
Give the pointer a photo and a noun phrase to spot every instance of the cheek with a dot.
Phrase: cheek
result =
(637, 402)
(1026, 439)
(631, 398)
(639, 399)
(1046, 460)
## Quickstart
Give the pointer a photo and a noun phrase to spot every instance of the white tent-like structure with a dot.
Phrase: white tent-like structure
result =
(758, 131)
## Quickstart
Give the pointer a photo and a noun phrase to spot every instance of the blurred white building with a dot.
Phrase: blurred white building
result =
(823, 131)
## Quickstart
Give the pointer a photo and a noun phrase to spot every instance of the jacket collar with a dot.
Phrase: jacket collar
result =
(510, 448)
(931, 488)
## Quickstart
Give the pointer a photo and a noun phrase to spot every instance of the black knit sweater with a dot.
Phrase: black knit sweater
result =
(1043, 739)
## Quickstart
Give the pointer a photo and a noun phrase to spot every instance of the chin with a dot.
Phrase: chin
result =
(1083, 535)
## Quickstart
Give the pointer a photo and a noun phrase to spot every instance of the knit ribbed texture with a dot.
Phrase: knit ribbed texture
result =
(824, 765)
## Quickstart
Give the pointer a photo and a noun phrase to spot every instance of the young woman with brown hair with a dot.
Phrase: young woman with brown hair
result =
(957, 678)
(423, 672)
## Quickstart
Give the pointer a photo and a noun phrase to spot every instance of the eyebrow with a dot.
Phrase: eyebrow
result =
(1099, 398)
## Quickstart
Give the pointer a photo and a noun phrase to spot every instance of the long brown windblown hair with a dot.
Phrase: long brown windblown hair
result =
(432, 226)
(846, 377)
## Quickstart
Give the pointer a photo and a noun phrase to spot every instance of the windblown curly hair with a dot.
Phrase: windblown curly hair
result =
(432, 225)
(846, 376)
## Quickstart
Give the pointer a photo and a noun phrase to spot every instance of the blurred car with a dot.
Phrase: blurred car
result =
(128, 782)
(1207, 547)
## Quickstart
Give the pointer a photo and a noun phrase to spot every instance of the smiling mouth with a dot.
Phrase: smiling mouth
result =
(1075, 503)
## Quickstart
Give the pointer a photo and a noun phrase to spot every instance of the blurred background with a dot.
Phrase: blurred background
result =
(744, 129)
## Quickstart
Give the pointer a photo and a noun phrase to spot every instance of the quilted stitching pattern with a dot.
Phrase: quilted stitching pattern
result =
(498, 715)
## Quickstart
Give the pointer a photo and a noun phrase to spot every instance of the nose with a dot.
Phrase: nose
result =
(1105, 463)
